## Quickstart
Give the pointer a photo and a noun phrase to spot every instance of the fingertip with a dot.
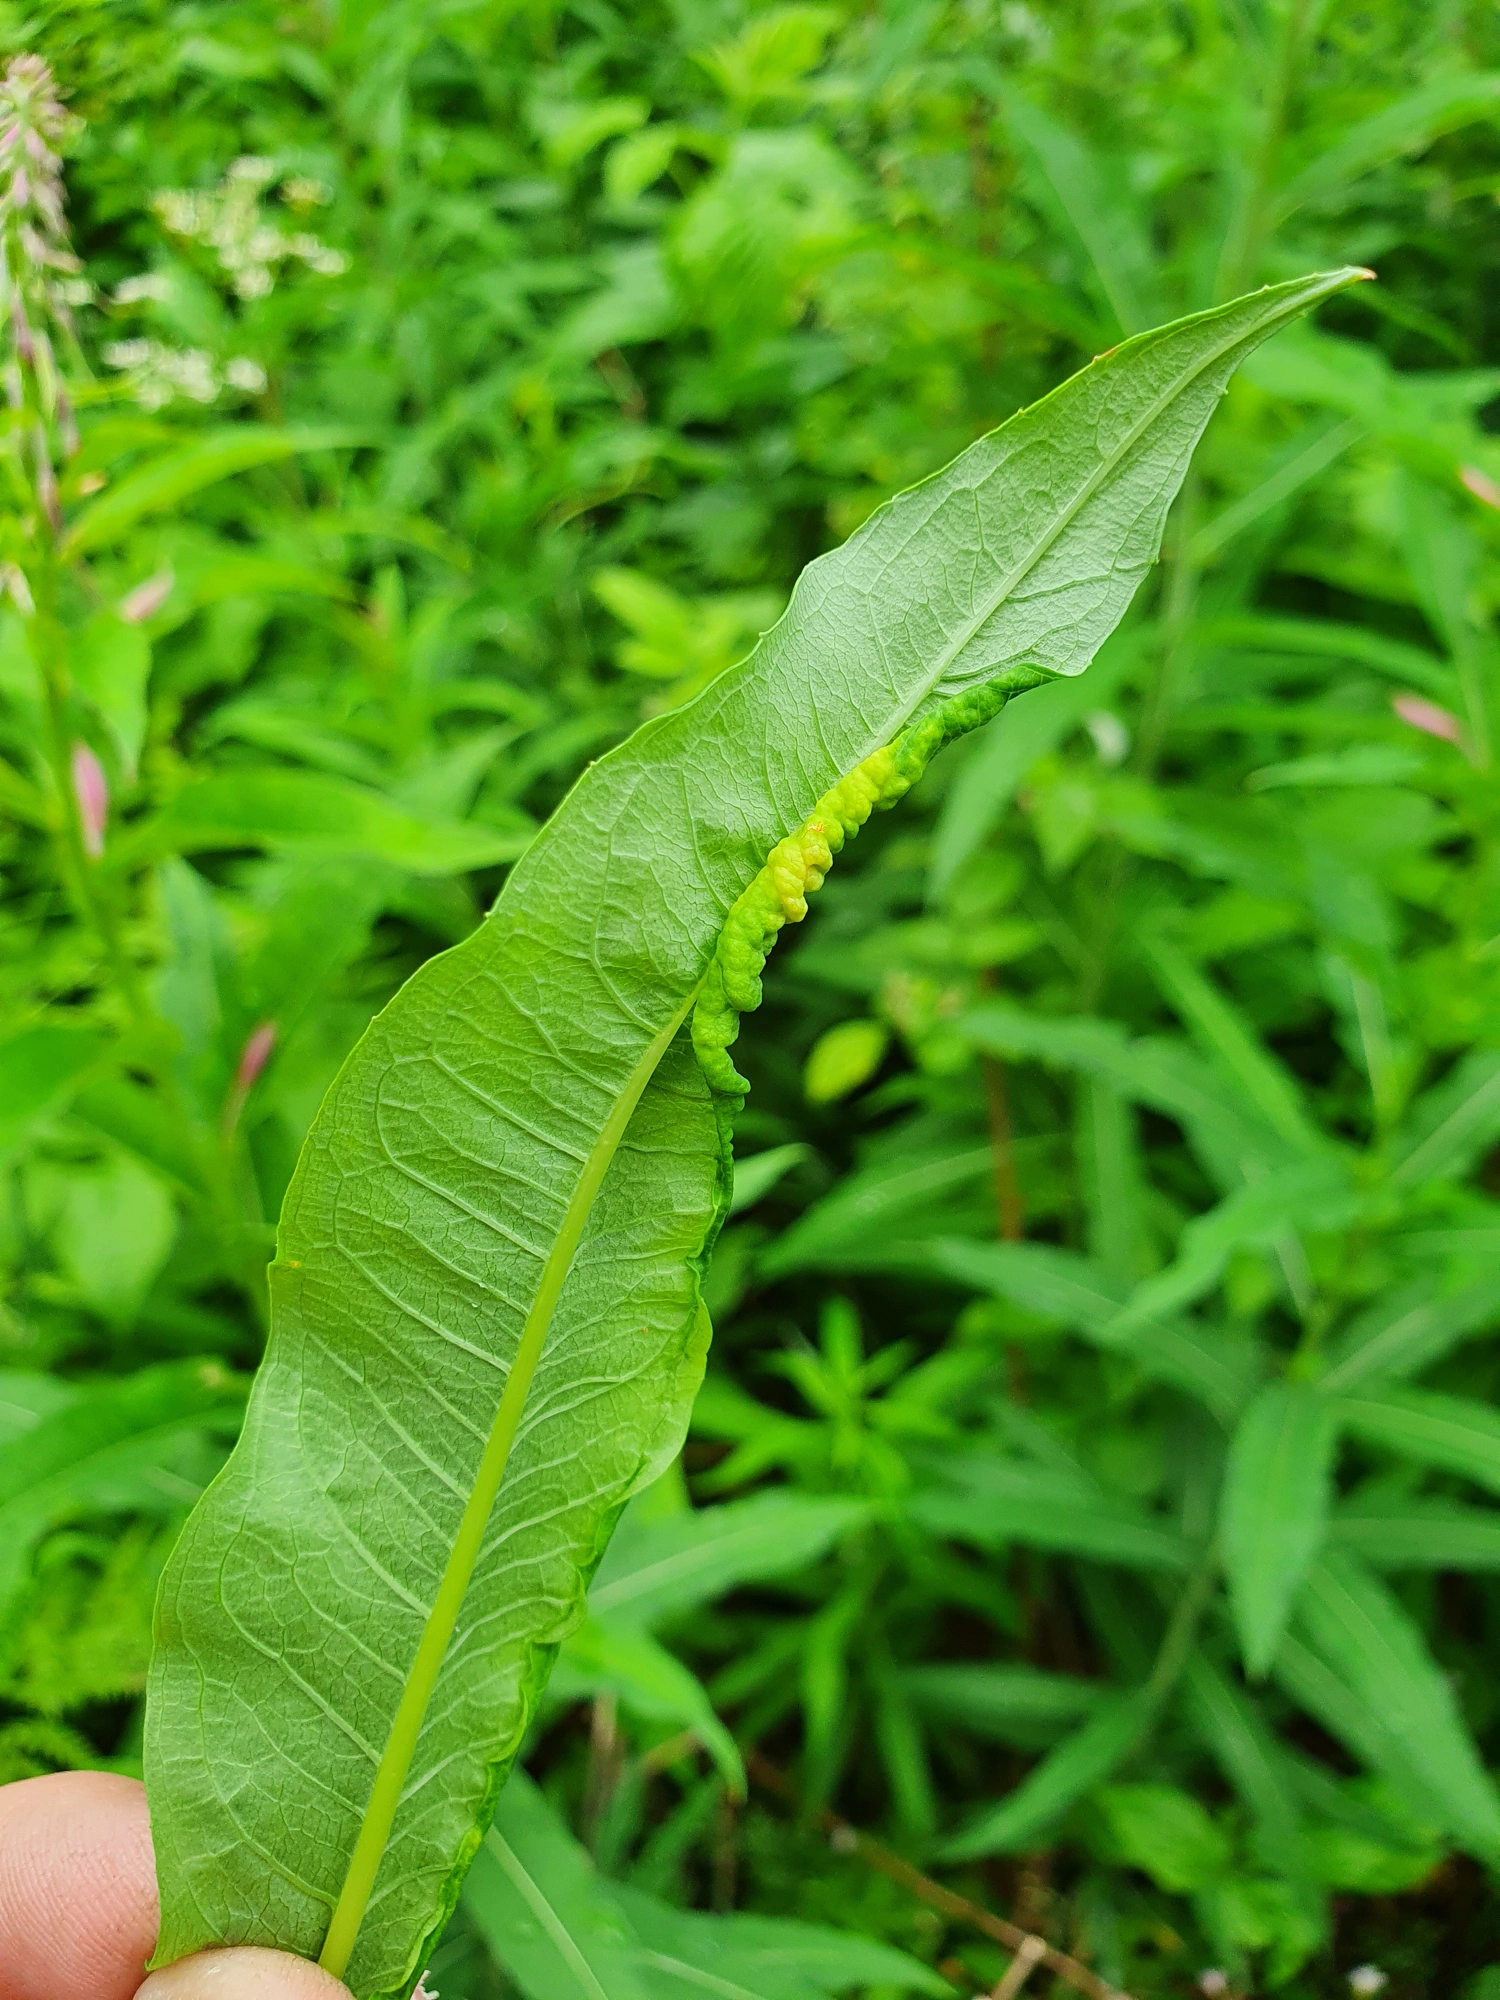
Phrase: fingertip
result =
(243, 1972)
(78, 1910)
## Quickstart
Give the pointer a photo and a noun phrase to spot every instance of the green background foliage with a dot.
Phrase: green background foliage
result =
(1106, 1309)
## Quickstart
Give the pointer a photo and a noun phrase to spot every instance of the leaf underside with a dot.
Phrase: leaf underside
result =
(427, 1216)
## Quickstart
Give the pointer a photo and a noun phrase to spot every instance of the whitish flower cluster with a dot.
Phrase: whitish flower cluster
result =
(229, 220)
(38, 271)
(159, 374)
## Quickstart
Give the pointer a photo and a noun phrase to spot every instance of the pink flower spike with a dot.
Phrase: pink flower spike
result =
(1480, 485)
(91, 789)
(1428, 717)
(424, 1991)
(147, 598)
(254, 1056)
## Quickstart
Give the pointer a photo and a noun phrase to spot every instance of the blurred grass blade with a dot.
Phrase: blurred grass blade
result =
(41, 1067)
(1111, 1172)
(1224, 1034)
(991, 1500)
(687, 1952)
(1005, 1704)
(1394, 1533)
(543, 1910)
(1059, 1781)
(1093, 200)
(615, 1655)
(306, 813)
(1450, 1126)
(110, 1450)
(1411, 122)
(1303, 464)
(660, 1569)
(1232, 1729)
(1320, 639)
(171, 478)
(996, 768)
(1060, 1285)
(1407, 1330)
(1367, 1676)
(1274, 1507)
(755, 1176)
(877, 1216)
(1445, 1431)
(1168, 1076)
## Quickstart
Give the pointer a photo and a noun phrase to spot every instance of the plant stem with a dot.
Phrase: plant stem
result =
(846, 1839)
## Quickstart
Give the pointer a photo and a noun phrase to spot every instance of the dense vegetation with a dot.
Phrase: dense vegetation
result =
(1090, 1479)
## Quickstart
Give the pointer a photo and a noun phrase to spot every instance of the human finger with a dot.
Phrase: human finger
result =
(78, 1910)
(243, 1973)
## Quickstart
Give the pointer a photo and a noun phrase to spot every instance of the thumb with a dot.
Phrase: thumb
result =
(242, 1973)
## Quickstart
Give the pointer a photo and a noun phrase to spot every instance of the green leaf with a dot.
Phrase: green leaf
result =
(1062, 1778)
(115, 1449)
(1446, 1431)
(660, 1569)
(543, 1910)
(300, 812)
(486, 1332)
(1220, 1027)
(1407, 1330)
(874, 1218)
(1312, 1193)
(988, 1499)
(113, 1233)
(615, 1654)
(1368, 1677)
(842, 1058)
(1273, 1509)
(110, 662)
(1061, 1285)
(1411, 122)
(1166, 1834)
(755, 1176)
(40, 1068)
(1451, 1125)
(686, 1952)
(177, 474)
(1018, 1705)
(562, 1932)
(1393, 1533)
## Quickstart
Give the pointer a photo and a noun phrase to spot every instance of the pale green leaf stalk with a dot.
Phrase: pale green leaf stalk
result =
(486, 1329)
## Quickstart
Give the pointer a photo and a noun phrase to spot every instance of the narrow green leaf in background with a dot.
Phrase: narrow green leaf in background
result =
(188, 469)
(1074, 1768)
(1277, 1485)
(1445, 1431)
(117, 1448)
(1368, 1677)
(307, 813)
